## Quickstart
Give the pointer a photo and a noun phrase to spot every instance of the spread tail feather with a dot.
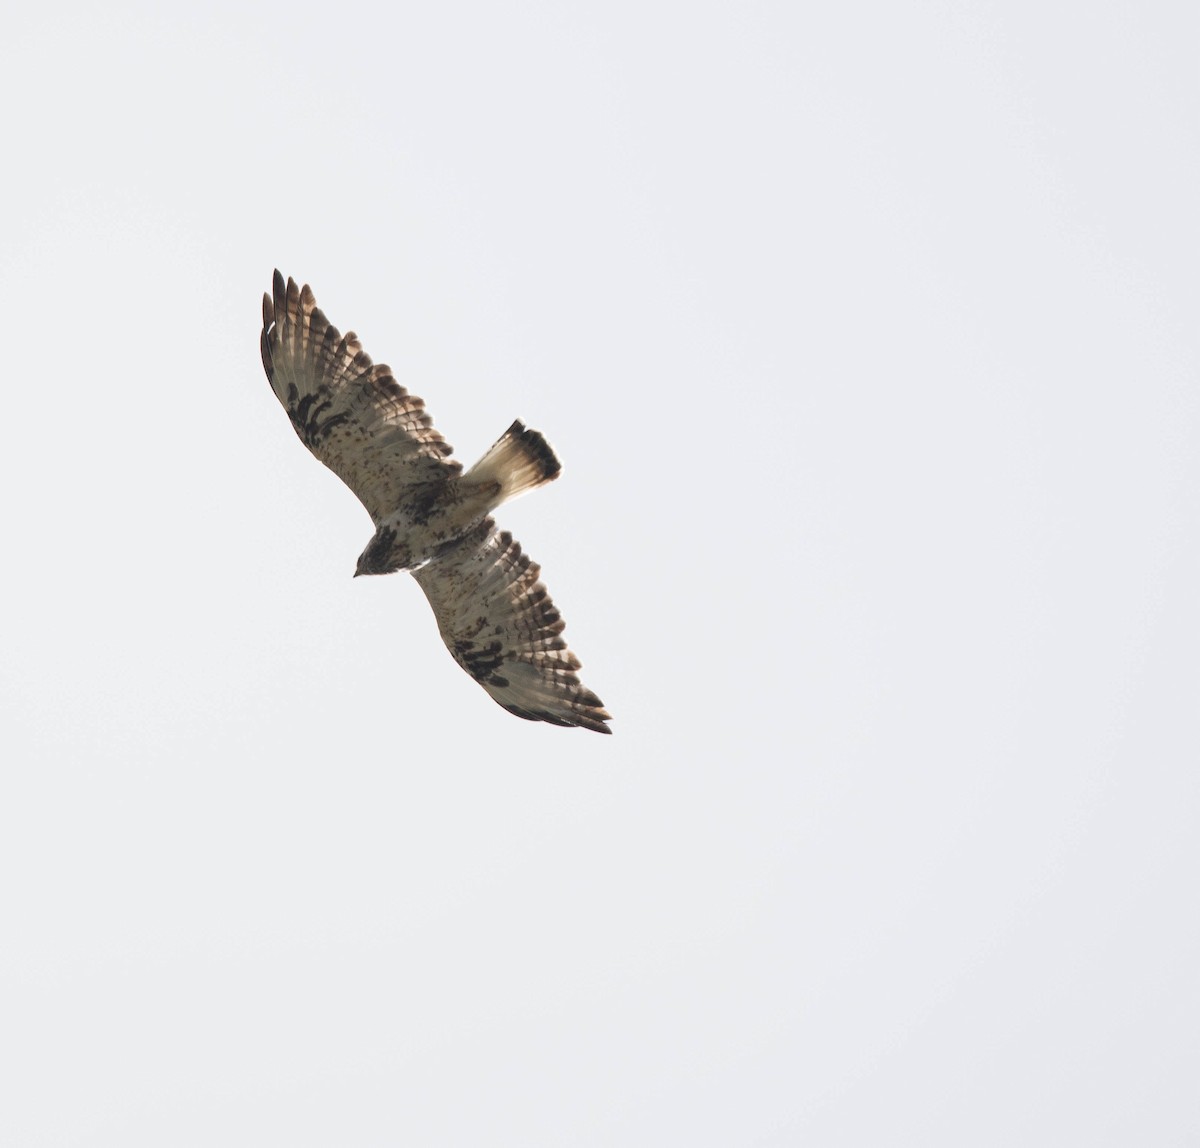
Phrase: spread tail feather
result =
(519, 461)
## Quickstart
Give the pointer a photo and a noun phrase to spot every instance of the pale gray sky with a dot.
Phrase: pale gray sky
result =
(867, 335)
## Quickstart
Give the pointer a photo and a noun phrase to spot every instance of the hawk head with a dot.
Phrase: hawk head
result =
(383, 555)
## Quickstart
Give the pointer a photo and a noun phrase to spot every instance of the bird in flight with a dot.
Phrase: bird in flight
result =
(431, 518)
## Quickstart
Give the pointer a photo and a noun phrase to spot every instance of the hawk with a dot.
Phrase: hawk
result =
(431, 518)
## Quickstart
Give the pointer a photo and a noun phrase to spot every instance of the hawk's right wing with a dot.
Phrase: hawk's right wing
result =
(350, 412)
(497, 620)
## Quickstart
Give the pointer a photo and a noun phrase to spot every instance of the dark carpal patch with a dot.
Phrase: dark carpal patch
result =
(306, 415)
(481, 662)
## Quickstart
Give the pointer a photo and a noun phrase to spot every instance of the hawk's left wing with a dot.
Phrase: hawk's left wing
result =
(497, 620)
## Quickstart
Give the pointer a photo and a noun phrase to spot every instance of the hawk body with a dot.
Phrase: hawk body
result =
(431, 518)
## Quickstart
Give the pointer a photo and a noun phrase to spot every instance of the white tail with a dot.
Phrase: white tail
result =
(519, 461)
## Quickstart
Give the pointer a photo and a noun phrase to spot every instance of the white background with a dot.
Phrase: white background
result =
(868, 336)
